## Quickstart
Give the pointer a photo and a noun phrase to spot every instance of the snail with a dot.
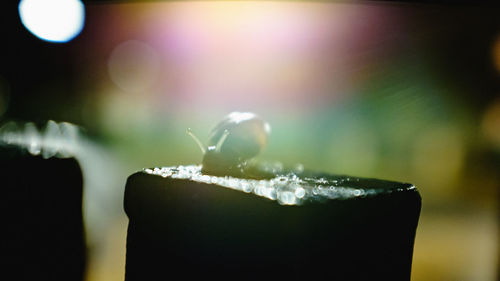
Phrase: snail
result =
(239, 137)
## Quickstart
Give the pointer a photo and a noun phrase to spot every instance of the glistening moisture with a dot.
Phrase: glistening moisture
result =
(286, 189)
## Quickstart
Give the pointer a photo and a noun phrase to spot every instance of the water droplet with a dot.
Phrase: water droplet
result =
(246, 187)
(357, 192)
(286, 198)
(300, 192)
(205, 179)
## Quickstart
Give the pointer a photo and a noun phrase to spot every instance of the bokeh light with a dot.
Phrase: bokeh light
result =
(134, 66)
(53, 20)
(490, 124)
(496, 54)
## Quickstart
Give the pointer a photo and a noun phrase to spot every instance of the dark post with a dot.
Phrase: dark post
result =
(196, 225)
(42, 211)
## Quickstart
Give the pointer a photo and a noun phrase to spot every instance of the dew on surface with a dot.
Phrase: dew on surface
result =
(286, 189)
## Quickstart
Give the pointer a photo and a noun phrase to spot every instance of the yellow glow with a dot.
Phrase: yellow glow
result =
(438, 158)
(496, 54)
(491, 124)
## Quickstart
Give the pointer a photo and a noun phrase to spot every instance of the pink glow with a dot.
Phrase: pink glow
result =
(251, 54)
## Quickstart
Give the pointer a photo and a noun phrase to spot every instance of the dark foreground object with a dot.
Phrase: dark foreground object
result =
(42, 229)
(191, 227)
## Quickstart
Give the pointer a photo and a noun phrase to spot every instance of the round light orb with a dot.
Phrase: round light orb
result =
(134, 66)
(53, 20)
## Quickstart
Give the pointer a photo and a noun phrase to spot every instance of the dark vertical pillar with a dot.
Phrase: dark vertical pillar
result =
(42, 225)
(186, 227)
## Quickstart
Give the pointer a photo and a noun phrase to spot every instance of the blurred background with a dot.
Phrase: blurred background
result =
(407, 92)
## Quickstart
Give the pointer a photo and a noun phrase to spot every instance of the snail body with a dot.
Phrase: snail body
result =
(239, 137)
